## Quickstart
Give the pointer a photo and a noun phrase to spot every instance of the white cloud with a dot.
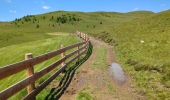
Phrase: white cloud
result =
(46, 7)
(13, 11)
(8, 1)
(136, 9)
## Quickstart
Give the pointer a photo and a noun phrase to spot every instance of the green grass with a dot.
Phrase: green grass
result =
(147, 63)
(25, 29)
(15, 53)
(100, 61)
(10, 35)
(83, 95)
(111, 89)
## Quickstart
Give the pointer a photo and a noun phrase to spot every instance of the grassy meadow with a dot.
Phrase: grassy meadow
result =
(14, 53)
(141, 41)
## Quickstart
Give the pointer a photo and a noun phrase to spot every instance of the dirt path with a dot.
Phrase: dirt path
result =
(96, 83)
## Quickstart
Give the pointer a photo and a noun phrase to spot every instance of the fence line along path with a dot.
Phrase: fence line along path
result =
(32, 77)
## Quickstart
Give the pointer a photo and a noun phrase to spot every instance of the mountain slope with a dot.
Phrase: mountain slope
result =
(141, 40)
(32, 27)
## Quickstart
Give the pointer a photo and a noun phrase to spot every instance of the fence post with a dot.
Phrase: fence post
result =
(62, 56)
(30, 72)
(87, 42)
(85, 37)
(80, 34)
(78, 53)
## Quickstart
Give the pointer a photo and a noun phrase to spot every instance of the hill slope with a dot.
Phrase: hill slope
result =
(32, 27)
(15, 53)
(141, 40)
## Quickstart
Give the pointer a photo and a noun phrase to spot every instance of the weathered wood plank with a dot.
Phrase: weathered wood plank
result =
(22, 84)
(17, 67)
(30, 72)
(45, 83)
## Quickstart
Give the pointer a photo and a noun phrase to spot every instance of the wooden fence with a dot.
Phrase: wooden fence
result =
(29, 62)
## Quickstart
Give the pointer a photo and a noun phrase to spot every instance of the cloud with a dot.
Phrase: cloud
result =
(13, 11)
(46, 7)
(136, 9)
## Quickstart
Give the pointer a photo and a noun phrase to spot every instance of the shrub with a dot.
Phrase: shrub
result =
(43, 17)
(67, 19)
(37, 26)
(101, 22)
(52, 18)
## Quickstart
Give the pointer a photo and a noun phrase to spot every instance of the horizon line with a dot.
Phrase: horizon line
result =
(82, 11)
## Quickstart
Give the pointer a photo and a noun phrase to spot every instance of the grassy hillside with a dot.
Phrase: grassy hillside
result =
(142, 46)
(15, 53)
(32, 27)
(141, 41)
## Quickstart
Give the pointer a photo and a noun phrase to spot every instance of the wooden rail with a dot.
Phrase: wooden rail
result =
(29, 62)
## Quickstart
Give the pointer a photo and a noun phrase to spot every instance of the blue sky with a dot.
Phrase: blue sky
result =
(11, 9)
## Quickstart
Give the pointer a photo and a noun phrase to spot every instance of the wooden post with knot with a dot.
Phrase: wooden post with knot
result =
(30, 72)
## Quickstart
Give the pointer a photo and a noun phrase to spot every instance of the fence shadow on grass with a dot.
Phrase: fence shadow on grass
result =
(57, 92)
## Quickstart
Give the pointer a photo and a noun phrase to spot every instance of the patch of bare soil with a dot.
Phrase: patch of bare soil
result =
(98, 82)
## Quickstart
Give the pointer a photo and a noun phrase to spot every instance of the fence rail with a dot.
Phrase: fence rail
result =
(29, 62)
